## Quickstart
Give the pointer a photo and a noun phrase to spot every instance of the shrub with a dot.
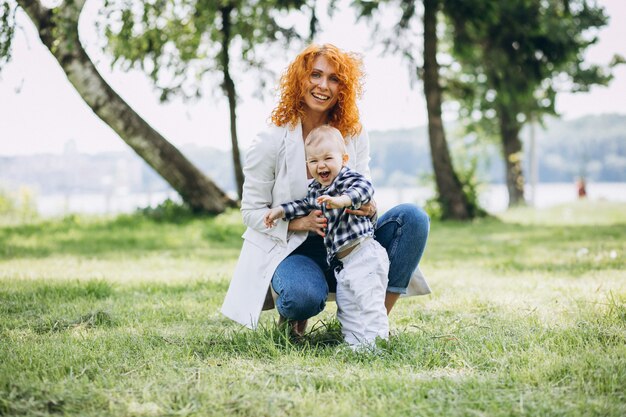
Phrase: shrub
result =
(168, 211)
(18, 207)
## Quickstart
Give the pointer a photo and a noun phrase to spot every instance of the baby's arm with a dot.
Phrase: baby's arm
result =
(357, 189)
(287, 211)
(335, 202)
(273, 215)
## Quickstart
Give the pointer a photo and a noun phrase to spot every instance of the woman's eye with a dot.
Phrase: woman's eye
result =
(334, 79)
(315, 75)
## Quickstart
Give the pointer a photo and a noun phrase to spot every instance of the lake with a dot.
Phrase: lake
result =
(493, 198)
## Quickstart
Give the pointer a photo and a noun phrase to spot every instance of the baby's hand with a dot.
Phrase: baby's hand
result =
(334, 202)
(271, 216)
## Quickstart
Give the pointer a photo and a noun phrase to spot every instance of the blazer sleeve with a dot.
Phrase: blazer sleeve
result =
(362, 164)
(362, 147)
(260, 176)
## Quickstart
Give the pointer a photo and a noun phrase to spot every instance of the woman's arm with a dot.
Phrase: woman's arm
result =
(362, 147)
(260, 176)
(362, 166)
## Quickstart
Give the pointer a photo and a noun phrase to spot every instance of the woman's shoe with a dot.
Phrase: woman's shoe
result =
(297, 327)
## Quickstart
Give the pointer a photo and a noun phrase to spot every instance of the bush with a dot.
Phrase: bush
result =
(18, 207)
(469, 186)
(168, 211)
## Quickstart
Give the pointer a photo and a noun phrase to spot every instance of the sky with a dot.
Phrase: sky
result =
(40, 111)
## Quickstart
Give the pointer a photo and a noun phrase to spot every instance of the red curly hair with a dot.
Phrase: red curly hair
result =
(344, 115)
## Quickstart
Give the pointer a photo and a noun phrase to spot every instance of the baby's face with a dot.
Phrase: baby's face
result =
(325, 160)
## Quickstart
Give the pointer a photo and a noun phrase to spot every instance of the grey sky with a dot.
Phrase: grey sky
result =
(40, 111)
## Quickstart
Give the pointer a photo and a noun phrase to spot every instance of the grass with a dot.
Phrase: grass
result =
(121, 317)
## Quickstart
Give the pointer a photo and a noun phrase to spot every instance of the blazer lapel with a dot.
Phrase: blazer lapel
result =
(295, 163)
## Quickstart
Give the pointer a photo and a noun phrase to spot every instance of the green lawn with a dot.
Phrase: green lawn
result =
(121, 317)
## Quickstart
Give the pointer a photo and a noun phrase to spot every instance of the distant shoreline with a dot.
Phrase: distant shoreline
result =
(493, 198)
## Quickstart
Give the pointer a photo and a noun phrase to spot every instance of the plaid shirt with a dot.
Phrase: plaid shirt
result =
(343, 228)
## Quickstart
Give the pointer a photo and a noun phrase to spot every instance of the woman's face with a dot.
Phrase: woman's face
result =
(322, 87)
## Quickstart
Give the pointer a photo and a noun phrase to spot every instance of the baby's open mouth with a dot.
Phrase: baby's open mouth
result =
(324, 175)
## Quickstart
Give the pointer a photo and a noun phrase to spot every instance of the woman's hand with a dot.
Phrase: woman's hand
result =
(368, 210)
(313, 222)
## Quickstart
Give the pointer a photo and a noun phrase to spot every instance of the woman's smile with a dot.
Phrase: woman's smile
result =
(321, 97)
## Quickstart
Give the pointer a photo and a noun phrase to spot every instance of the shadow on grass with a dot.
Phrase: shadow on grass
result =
(30, 296)
(270, 340)
(52, 306)
(324, 341)
(91, 320)
(128, 235)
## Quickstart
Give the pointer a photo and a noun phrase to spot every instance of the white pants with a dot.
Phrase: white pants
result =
(361, 288)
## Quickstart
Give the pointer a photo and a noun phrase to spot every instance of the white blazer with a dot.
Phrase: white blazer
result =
(275, 173)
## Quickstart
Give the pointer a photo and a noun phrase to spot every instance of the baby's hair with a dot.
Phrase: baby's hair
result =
(326, 132)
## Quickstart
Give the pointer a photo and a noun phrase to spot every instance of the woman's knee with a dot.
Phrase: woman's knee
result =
(415, 224)
(413, 216)
(406, 219)
(403, 232)
(300, 305)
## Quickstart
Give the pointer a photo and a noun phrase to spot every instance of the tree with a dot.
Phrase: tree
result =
(515, 57)
(58, 30)
(7, 27)
(181, 42)
(450, 195)
(453, 200)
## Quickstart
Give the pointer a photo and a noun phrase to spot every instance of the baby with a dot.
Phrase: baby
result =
(360, 263)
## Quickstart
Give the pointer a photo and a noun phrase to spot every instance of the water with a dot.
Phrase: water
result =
(112, 203)
(493, 198)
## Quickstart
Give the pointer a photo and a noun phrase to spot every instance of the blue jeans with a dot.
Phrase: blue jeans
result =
(303, 279)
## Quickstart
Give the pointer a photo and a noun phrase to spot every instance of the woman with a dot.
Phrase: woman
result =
(286, 265)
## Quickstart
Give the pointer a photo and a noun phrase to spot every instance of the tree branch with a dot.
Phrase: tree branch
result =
(58, 30)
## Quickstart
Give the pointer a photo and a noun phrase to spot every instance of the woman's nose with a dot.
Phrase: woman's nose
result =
(323, 82)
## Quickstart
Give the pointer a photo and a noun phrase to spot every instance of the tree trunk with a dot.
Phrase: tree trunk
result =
(451, 196)
(58, 31)
(512, 152)
(229, 88)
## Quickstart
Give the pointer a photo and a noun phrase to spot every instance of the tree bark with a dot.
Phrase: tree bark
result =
(512, 152)
(451, 197)
(229, 88)
(58, 31)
